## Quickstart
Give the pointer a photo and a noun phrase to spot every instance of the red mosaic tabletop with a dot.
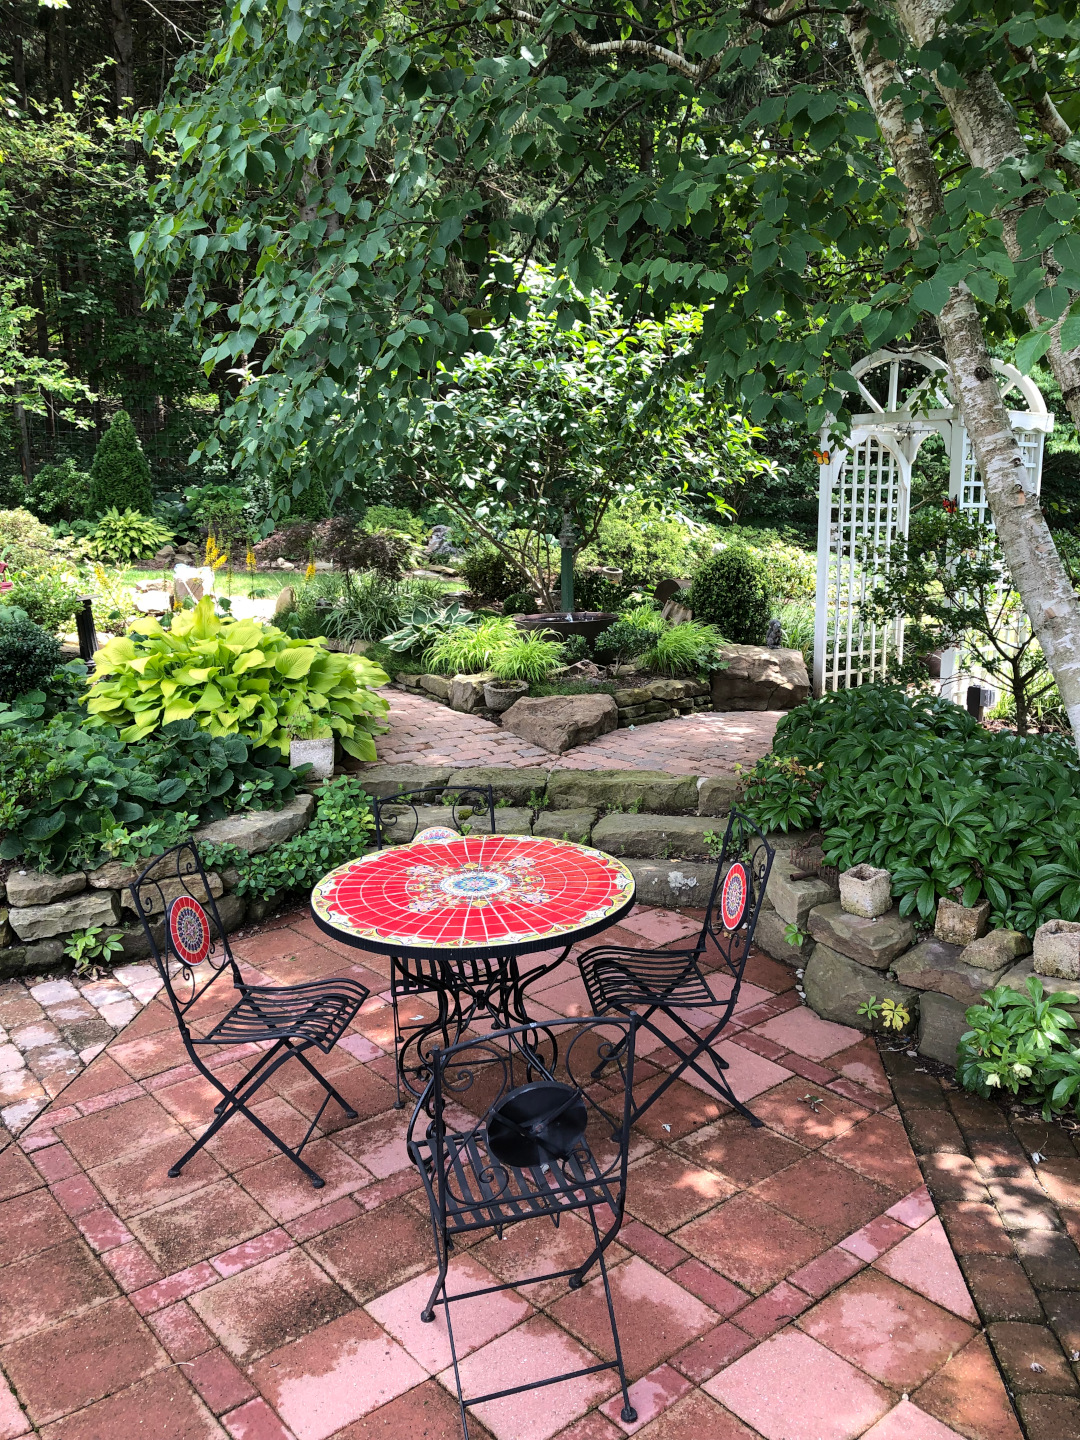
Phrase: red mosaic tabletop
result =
(492, 894)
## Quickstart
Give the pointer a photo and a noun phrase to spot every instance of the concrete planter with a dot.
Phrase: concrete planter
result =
(499, 696)
(1057, 949)
(961, 924)
(866, 891)
(319, 754)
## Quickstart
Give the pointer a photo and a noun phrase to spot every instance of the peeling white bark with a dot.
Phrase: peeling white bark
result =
(1034, 564)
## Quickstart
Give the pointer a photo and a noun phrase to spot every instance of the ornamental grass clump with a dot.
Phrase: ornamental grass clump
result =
(529, 656)
(470, 649)
(233, 677)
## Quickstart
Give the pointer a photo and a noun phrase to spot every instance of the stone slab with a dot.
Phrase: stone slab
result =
(29, 888)
(467, 692)
(257, 830)
(384, 780)
(565, 825)
(938, 966)
(557, 723)
(521, 787)
(719, 794)
(941, 1023)
(672, 883)
(438, 685)
(875, 942)
(654, 837)
(42, 922)
(997, 948)
(771, 937)
(157, 897)
(650, 791)
(113, 875)
(1020, 973)
(33, 959)
(794, 899)
(509, 820)
(836, 986)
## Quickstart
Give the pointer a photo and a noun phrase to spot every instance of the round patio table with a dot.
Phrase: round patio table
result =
(455, 915)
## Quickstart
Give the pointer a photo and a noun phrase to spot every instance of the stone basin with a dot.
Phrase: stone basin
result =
(587, 623)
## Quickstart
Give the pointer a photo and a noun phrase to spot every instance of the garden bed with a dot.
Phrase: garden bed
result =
(643, 702)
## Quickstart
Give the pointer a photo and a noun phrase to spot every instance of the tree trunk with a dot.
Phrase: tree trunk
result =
(26, 458)
(124, 42)
(989, 132)
(1034, 564)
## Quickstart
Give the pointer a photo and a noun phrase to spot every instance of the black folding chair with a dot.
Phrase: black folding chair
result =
(540, 1144)
(173, 895)
(469, 799)
(429, 977)
(666, 983)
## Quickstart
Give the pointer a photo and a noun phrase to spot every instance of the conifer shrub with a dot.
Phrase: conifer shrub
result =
(119, 473)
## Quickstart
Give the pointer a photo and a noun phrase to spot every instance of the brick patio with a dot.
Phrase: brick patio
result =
(423, 732)
(791, 1283)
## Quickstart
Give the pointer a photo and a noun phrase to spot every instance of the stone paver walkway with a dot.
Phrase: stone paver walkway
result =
(1008, 1189)
(789, 1283)
(423, 732)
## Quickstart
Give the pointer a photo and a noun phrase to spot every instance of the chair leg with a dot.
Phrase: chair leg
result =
(349, 1111)
(629, 1414)
(689, 1061)
(428, 1312)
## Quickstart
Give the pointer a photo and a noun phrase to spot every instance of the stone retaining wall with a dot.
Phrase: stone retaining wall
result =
(39, 912)
(638, 705)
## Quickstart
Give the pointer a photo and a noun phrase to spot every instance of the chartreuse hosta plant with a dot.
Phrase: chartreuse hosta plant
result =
(234, 677)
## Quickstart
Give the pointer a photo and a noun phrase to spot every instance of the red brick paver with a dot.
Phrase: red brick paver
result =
(423, 732)
(791, 1282)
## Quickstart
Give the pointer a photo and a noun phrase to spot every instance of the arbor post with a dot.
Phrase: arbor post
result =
(566, 543)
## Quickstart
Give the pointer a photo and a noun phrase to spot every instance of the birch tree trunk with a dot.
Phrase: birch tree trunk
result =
(989, 133)
(1034, 564)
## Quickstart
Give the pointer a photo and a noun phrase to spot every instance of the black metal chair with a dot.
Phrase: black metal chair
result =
(540, 1146)
(666, 983)
(460, 809)
(173, 899)
(429, 977)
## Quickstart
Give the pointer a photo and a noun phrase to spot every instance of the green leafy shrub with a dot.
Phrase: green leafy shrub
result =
(470, 649)
(630, 635)
(129, 535)
(489, 574)
(391, 517)
(915, 785)
(50, 596)
(361, 605)
(233, 677)
(1017, 1043)
(119, 474)
(593, 591)
(339, 831)
(28, 654)
(59, 492)
(531, 655)
(730, 592)
(790, 570)
(646, 544)
(797, 628)
(522, 602)
(71, 798)
(686, 649)
(25, 543)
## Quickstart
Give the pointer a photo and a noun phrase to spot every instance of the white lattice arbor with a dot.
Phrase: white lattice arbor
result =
(864, 500)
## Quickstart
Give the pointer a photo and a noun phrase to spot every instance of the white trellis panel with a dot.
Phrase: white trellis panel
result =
(863, 507)
(864, 499)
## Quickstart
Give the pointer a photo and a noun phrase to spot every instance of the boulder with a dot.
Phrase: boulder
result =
(652, 791)
(7, 935)
(399, 825)
(654, 837)
(960, 924)
(996, 949)
(521, 787)
(42, 922)
(758, 678)
(719, 794)
(771, 936)
(865, 891)
(509, 820)
(565, 825)
(794, 899)
(875, 942)
(561, 722)
(384, 780)
(1056, 948)
(437, 685)
(934, 965)
(836, 986)
(941, 1023)
(156, 898)
(30, 959)
(30, 887)
(286, 599)
(467, 692)
(672, 883)
(256, 830)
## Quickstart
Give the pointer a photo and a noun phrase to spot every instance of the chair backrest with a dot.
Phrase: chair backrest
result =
(187, 940)
(528, 1105)
(738, 890)
(458, 798)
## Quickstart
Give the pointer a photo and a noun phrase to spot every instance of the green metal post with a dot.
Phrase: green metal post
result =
(566, 542)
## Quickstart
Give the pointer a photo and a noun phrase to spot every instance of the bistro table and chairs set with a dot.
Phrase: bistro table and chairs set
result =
(515, 1115)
